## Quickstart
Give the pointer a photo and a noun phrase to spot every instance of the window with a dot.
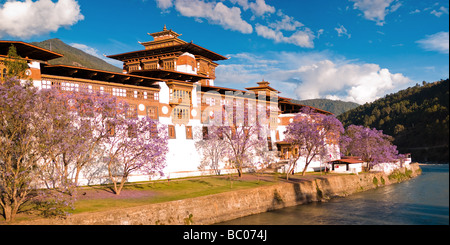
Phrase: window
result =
(205, 132)
(189, 132)
(110, 129)
(132, 131)
(233, 133)
(269, 143)
(46, 84)
(69, 86)
(180, 115)
(172, 132)
(154, 130)
(295, 153)
(180, 96)
(132, 111)
(220, 133)
(152, 112)
(119, 92)
(3, 73)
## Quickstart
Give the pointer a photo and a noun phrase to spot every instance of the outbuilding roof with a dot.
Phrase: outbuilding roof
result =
(347, 161)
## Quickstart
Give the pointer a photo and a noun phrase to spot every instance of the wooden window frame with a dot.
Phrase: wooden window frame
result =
(110, 129)
(132, 111)
(269, 143)
(172, 133)
(205, 132)
(189, 134)
(156, 114)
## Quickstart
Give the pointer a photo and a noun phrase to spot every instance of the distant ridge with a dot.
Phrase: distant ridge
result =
(336, 107)
(417, 118)
(74, 56)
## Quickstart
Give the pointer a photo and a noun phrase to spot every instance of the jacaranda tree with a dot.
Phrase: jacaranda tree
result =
(135, 145)
(19, 123)
(371, 145)
(212, 147)
(312, 132)
(48, 136)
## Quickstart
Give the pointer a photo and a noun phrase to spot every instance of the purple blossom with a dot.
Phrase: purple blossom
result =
(311, 132)
(139, 145)
(371, 145)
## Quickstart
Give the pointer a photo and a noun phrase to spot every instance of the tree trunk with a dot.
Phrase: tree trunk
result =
(77, 174)
(7, 213)
(307, 164)
(10, 211)
(292, 168)
(122, 183)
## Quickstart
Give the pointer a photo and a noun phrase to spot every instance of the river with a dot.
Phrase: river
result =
(423, 200)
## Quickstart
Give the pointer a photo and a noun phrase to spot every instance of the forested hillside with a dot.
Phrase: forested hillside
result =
(74, 56)
(417, 117)
(336, 107)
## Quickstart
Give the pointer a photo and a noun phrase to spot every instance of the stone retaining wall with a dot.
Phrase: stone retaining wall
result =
(234, 204)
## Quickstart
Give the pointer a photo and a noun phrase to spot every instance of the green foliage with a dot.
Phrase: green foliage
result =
(416, 117)
(336, 107)
(189, 220)
(375, 181)
(15, 65)
(53, 204)
(74, 57)
(399, 175)
(177, 190)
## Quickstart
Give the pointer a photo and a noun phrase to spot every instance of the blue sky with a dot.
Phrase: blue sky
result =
(352, 50)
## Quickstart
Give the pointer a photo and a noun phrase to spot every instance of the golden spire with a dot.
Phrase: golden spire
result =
(164, 29)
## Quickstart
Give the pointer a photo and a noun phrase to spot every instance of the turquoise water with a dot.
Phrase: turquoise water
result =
(423, 200)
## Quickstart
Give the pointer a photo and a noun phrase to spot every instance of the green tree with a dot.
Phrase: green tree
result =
(15, 65)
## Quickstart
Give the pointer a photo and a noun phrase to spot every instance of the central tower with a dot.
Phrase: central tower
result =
(168, 57)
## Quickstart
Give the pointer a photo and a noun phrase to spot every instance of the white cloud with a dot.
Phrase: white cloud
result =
(243, 3)
(164, 4)
(24, 19)
(230, 18)
(358, 83)
(442, 10)
(342, 31)
(286, 23)
(437, 42)
(302, 38)
(376, 10)
(216, 13)
(310, 75)
(259, 8)
(299, 34)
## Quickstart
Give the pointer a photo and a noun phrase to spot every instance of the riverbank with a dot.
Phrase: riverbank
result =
(211, 209)
(423, 200)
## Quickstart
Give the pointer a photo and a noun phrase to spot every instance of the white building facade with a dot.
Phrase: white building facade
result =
(171, 81)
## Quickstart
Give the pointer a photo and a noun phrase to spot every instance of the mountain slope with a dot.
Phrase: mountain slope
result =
(417, 117)
(336, 107)
(74, 56)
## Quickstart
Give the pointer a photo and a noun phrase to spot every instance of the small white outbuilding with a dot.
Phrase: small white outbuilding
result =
(347, 165)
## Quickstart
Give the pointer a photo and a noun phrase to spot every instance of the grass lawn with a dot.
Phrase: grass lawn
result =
(98, 198)
(101, 198)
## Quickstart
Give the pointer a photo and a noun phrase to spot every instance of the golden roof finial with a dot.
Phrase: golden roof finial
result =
(165, 28)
